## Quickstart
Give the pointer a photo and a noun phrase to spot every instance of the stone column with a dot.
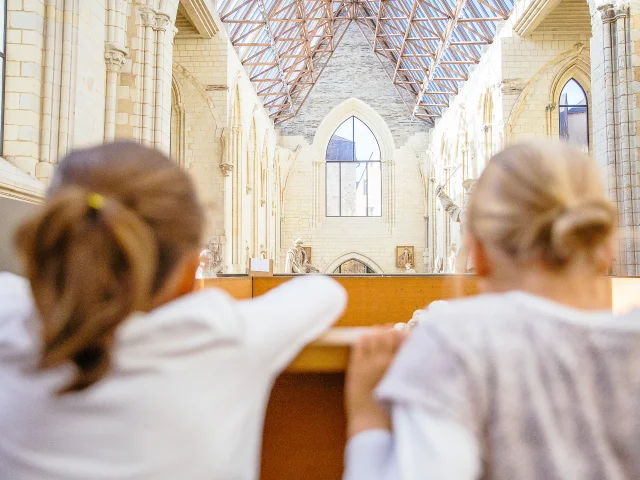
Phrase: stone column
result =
(318, 186)
(618, 108)
(162, 23)
(58, 89)
(148, 45)
(114, 57)
(236, 192)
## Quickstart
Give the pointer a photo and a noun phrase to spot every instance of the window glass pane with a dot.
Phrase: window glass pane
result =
(574, 126)
(366, 144)
(572, 94)
(348, 189)
(333, 189)
(375, 190)
(341, 143)
(353, 267)
(353, 189)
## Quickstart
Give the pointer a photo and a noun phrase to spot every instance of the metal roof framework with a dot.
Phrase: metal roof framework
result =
(426, 47)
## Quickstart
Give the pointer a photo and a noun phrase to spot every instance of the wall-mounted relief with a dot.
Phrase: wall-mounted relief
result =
(405, 255)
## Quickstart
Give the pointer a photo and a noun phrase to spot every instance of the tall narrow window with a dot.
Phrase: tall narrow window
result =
(3, 49)
(574, 115)
(354, 172)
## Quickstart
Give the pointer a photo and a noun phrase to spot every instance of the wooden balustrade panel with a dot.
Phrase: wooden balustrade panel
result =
(239, 288)
(304, 430)
(375, 300)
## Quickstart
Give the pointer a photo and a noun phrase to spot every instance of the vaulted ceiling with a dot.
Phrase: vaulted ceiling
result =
(426, 47)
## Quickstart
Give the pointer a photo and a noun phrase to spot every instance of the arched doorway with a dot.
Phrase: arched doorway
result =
(353, 267)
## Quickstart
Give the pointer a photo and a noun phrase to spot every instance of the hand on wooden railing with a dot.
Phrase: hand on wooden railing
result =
(369, 361)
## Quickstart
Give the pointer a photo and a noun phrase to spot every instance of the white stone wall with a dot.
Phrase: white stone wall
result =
(372, 240)
(91, 75)
(62, 93)
(511, 95)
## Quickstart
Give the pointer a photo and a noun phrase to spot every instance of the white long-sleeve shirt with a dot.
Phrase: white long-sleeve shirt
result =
(422, 447)
(186, 395)
(509, 386)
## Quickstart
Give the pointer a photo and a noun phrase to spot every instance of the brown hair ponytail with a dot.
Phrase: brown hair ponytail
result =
(91, 266)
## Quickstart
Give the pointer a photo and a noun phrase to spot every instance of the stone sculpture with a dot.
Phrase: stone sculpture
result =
(459, 214)
(452, 260)
(211, 262)
(439, 265)
(296, 260)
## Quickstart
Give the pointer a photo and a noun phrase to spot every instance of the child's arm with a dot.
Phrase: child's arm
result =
(423, 444)
(280, 323)
(421, 447)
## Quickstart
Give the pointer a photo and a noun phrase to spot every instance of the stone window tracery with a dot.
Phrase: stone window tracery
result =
(353, 172)
(573, 113)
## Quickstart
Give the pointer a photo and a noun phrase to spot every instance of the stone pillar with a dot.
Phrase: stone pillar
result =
(114, 57)
(162, 23)
(236, 189)
(58, 89)
(148, 45)
(618, 109)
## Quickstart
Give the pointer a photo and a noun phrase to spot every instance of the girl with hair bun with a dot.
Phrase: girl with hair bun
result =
(110, 367)
(533, 379)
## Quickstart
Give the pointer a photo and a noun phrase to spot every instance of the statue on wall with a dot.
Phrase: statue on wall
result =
(297, 261)
(211, 262)
(408, 269)
(452, 260)
(439, 265)
(459, 214)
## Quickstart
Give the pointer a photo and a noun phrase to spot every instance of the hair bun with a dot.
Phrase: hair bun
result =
(582, 228)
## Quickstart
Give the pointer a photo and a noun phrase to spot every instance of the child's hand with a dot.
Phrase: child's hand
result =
(370, 358)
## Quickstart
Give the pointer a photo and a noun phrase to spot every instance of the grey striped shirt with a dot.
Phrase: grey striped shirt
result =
(550, 392)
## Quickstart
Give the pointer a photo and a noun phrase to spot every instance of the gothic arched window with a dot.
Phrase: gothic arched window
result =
(354, 172)
(354, 267)
(574, 115)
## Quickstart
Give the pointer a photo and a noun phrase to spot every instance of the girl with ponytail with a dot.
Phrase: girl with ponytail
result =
(110, 367)
(534, 379)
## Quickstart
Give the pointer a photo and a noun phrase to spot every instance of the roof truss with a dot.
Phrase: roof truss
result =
(426, 47)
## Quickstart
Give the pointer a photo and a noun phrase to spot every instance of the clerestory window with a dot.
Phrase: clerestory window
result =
(353, 172)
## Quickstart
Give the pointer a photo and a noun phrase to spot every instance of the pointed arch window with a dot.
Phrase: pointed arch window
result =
(353, 172)
(574, 115)
(353, 267)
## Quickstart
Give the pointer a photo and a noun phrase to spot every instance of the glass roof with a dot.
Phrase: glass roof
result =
(425, 47)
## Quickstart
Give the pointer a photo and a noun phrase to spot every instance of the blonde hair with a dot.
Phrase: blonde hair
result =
(542, 202)
(118, 220)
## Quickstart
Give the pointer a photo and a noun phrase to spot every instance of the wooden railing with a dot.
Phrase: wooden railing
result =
(304, 432)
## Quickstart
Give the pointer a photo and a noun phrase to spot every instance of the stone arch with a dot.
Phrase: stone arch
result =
(366, 113)
(579, 70)
(180, 71)
(574, 57)
(178, 124)
(353, 256)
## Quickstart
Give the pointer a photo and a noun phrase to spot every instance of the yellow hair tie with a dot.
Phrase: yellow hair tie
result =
(95, 201)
